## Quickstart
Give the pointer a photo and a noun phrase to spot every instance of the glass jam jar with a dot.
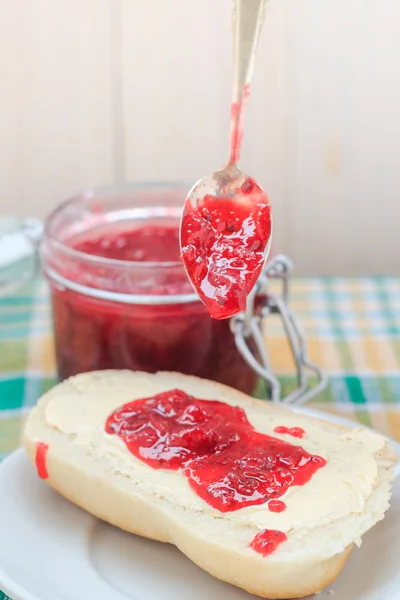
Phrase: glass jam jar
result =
(120, 295)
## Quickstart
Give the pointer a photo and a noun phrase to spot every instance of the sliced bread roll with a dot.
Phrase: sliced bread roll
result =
(116, 479)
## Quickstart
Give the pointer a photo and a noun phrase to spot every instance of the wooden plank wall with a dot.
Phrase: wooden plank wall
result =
(100, 91)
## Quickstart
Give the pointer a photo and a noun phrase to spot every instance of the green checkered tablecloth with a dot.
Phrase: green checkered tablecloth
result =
(353, 332)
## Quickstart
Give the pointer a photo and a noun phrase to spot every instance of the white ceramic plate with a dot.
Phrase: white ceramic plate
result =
(52, 550)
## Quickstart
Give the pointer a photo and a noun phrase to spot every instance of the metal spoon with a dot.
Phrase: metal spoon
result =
(226, 224)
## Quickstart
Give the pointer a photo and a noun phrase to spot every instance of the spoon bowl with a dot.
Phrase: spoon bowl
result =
(226, 223)
(225, 239)
(229, 182)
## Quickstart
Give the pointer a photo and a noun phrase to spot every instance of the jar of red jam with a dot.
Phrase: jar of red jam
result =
(120, 295)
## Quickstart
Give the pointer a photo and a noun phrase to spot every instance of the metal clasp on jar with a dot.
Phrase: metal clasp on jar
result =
(248, 326)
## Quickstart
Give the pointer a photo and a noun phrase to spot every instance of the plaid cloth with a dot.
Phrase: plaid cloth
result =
(353, 333)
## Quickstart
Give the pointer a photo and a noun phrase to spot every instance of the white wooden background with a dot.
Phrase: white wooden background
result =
(98, 91)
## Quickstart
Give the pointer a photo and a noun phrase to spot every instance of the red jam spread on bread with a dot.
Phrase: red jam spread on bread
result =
(40, 459)
(276, 506)
(267, 541)
(296, 432)
(227, 463)
(94, 334)
(223, 242)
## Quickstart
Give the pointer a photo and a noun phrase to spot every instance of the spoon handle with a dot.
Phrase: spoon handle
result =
(247, 20)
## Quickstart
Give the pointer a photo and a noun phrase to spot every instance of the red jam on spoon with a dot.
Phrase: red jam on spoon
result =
(226, 223)
(224, 243)
(227, 463)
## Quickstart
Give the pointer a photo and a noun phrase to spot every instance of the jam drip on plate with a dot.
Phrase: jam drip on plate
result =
(227, 463)
(223, 241)
(40, 459)
(267, 541)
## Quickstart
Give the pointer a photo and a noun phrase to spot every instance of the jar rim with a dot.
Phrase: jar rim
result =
(121, 297)
(140, 212)
(104, 191)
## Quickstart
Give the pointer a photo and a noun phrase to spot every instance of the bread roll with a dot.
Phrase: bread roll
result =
(65, 437)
